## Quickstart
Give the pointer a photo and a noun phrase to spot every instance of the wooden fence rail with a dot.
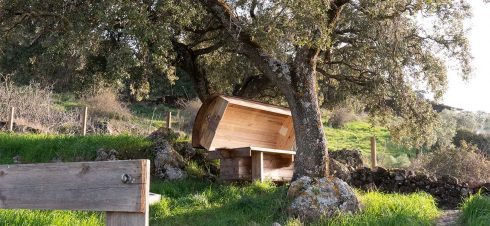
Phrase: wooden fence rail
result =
(120, 188)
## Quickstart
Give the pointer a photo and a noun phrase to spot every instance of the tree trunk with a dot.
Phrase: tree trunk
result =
(296, 80)
(187, 61)
(311, 155)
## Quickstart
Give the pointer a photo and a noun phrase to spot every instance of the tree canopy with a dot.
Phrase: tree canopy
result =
(378, 52)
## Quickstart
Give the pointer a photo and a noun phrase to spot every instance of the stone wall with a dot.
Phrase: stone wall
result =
(447, 190)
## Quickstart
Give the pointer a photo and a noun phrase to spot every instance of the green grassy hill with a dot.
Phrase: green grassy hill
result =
(357, 135)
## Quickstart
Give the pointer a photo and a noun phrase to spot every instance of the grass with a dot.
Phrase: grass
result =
(37, 148)
(43, 218)
(390, 209)
(476, 211)
(197, 202)
(357, 135)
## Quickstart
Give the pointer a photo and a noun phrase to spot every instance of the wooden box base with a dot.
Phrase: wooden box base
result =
(250, 164)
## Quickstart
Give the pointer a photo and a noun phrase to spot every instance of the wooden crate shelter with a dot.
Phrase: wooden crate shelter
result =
(254, 141)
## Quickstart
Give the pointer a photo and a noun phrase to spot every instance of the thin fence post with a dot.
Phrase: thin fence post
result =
(169, 119)
(84, 121)
(11, 119)
(373, 153)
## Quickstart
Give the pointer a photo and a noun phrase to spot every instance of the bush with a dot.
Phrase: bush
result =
(34, 108)
(476, 210)
(340, 117)
(105, 104)
(481, 141)
(463, 162)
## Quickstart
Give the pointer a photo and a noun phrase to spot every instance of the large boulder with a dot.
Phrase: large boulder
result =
(325, 197)
(169, 164)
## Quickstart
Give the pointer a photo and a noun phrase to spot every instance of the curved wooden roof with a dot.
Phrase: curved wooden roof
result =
(230, 122)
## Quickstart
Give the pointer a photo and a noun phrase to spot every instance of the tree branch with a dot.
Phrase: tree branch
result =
(274, 69)
(209, 49)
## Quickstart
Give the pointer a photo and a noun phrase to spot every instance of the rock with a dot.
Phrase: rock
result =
(17, 159)
(313, 199)
(169, 164)
(450, 179)
(276, 224)
(350, 158)
(164, 134)
(185, 149)
(103, 127)
(339, 170)
(106, 155)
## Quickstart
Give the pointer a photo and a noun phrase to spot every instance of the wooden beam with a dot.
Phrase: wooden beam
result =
(373, 153)
(169, 119)
(257, 166)
(270, 150)
(117, 186)
(127, 219)
(11, 119)
(84, 121)
(229, 153)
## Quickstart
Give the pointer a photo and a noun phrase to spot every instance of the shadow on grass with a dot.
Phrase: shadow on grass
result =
(204, 203)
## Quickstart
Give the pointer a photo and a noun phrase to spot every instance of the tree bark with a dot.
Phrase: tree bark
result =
(312, 154)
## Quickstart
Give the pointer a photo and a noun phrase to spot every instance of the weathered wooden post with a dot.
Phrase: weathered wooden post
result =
(84, 121)
(11, 119)
(169, 119)
(373, 153)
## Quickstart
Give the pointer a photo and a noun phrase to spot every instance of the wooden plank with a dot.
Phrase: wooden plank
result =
(228, 153)
(258, 105)
(257, 166)
(280, 174)
(212, 118)
(247, 127)
(95, 186)
(127, 219)
(286, 137)
(271, 150)
(154, 198)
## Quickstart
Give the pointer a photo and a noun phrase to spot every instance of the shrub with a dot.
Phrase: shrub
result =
(481, 141)
(463, 162)
(476, 210)
(34, 107)
(105, 104)
(340, 117)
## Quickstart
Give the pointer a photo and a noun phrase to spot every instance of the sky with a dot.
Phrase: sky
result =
(474, 94)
